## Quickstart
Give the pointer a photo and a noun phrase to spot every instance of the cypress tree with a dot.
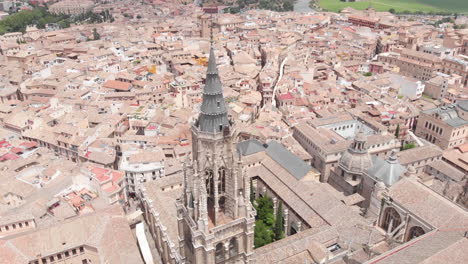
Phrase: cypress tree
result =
(279, 222)
(252, 194)
(397, 131)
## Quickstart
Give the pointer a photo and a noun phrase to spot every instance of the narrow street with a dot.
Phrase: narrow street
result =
(283, 53)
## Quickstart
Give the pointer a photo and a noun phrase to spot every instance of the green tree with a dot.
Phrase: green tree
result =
(3, 29)
(409, 146)
(262, 235)
(397, 131)
(287, 6)
(264, 224)
(252, 193)
(279, 222)
(391, 10)
(40, 17)
(265, 211)
(96, 35)
(64, 24)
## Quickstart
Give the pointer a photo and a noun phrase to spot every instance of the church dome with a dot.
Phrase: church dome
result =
(356, 158)
(355, 162)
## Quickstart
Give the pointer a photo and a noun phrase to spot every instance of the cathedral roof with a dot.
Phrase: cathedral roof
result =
(276, 151)
(249, 147)
(387, 171)
(294, 165)
(213, 113)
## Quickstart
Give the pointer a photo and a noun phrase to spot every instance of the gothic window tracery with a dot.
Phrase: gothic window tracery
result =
(219, 253)
(233, 247)
(414, 232)
(222, 180)
(209, 182)
(391, 219)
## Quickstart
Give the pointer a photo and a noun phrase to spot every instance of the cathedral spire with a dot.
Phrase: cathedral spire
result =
(213, 115)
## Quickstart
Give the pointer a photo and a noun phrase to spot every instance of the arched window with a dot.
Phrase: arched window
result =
(209, 182)
(222, 180)
(219, 253)
(414, 232)
(233, 247)
(391, 219)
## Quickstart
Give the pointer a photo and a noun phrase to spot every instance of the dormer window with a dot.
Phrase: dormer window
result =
(218, 103)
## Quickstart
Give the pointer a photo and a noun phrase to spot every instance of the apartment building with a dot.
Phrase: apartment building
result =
(326, 145)
(456, 39)
(407, 86)
(445, 126)
(140, 167)
(417, 64)
(458, 66)
(413, 63)
(438, 86)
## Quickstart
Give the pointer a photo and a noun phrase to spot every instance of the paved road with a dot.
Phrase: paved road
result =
(273, 100)
(302, 6)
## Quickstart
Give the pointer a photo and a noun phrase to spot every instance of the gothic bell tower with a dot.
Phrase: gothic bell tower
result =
(215, 216)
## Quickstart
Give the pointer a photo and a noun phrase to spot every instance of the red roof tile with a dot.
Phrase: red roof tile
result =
(287, 96)
(117, 85)
(102, 177)
(111, 189)
(29, 145)
(117, 176)
(9, 156)
(463, 148)
(16, 150)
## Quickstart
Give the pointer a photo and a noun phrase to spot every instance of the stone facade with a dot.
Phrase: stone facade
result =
(71, 7)
(446, 126)
(215, 217)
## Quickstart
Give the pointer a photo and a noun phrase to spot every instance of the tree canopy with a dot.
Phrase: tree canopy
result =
(279, 222)
(268, 228)
(408, 146)
(40, 17)
(263, 235)
(275, 5)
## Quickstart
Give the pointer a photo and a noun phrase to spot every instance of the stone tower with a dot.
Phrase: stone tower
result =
(205, 25)
(215, 216)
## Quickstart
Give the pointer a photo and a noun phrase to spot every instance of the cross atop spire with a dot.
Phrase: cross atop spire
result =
(211, 30)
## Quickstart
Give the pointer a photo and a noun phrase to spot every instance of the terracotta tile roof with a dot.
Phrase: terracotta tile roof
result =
(107, 231)
(441, 246)
(423, 202)
(463, 148)
(117, 85)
